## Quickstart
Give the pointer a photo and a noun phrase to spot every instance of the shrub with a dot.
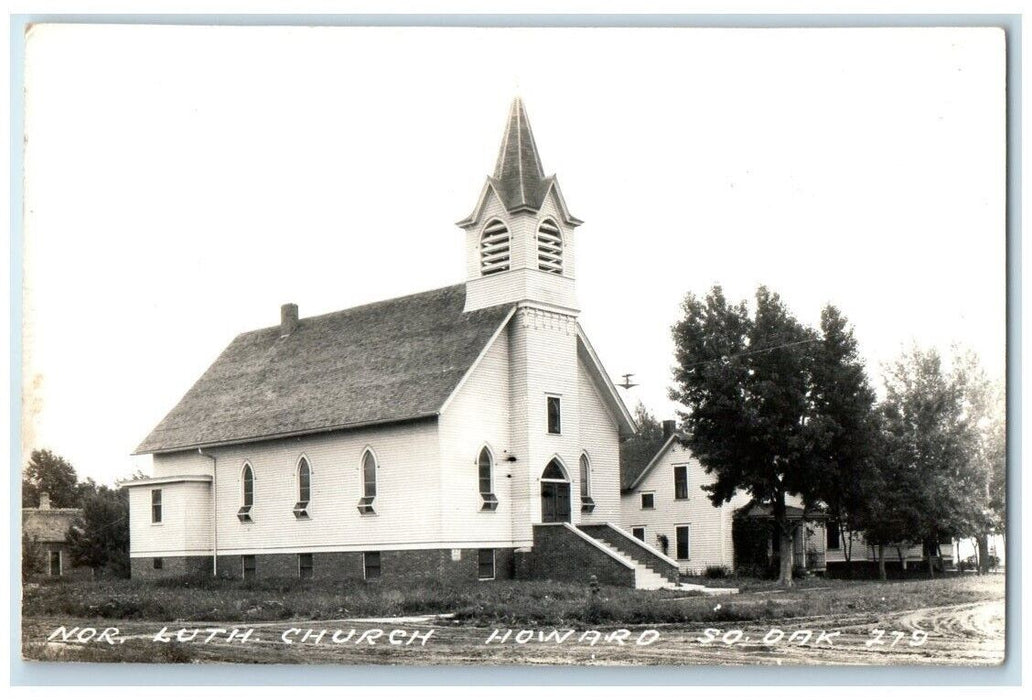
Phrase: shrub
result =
(718, 571)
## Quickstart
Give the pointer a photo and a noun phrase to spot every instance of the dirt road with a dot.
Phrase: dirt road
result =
(968, 634)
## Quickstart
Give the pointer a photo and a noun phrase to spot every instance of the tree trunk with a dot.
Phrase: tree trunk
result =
(846, 545)
(902, 558)
(930, 555)
(785, 577)
(983, 554)
(881, 562)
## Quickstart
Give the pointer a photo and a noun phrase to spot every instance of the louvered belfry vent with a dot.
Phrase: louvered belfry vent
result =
(550, 247)
(494, 248)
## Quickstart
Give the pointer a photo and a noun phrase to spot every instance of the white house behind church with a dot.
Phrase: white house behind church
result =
(463, 433)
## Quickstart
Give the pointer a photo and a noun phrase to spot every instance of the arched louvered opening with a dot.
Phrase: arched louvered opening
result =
(494, 248)
(550, 247)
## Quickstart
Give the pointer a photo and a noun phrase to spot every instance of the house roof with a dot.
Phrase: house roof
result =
(385, 362)
(763, 511)
(631, 475)
(48, 525)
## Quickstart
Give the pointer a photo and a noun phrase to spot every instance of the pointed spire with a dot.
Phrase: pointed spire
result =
(518, 176)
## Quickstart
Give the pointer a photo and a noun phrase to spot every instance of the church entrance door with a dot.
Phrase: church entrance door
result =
(555, 494)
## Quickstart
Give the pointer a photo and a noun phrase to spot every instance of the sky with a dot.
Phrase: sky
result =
(181, 183)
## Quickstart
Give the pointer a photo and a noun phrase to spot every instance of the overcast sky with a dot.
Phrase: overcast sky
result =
(183, 182)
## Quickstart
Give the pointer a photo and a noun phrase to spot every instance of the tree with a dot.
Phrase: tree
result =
(32, 557)
(52, 474)
(844, 425)
(747, 385)
(99, 538)
(933, 450)
(637, 451)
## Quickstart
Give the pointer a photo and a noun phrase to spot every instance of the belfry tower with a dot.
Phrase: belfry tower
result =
(520, 236)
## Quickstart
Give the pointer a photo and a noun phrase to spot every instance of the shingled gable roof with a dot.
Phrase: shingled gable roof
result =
(519, 178)
(385, 362)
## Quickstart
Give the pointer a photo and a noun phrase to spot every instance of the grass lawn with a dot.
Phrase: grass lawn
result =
(490, 603)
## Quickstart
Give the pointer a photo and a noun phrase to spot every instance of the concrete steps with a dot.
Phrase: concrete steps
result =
(645, 578)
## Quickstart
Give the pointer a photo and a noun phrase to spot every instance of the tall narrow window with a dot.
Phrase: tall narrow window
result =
(155, 505)
(550, 247)
(247, 482)
(304, 489)
(365, 504)
(587, 502)
(684, 537)
(55, 562)
(494, 248)
(555, 418)
(485, 467)
(681, 482)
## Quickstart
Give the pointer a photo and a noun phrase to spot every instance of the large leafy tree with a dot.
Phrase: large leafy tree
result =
(747, 384)
(49, 473)
(844, 473)
(99, 538)
(934, 449)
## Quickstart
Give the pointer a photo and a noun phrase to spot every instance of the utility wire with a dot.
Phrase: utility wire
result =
(726, 358)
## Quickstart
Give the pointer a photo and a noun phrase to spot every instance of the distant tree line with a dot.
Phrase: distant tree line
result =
(775, 408)
(99, 538)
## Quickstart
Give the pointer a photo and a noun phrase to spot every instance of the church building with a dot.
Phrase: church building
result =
(467, 433)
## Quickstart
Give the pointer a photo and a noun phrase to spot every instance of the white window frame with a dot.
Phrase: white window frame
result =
(644, 531)
(301, 507)
(687, 482)
(246, 512)
(559, 400)
(160, 504)
(488, 499)
(365, 503)
(641, 500)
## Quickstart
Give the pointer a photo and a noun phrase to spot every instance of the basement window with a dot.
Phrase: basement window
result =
(371, 565)
(485, 564)
(248, 566)
(550, 247)
(494, 248)
(305, 568)
(158, 563)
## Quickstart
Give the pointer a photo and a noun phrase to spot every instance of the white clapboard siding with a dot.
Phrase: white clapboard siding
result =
(860, 550)
(406, 516)
(710, 540)
(476, 416)
(600, 440)
(185, 528)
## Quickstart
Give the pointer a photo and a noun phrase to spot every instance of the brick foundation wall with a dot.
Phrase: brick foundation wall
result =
(560, 555)
(397, 567)
(633, 547)
(142, 568)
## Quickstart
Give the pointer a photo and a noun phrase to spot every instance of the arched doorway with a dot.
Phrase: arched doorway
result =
(555, 493)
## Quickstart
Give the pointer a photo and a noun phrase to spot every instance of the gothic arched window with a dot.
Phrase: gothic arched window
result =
(550, 247)
(365, 504)
(587, 502)
(247, 493)
(304, 488)
(494, 248)
(485, 476)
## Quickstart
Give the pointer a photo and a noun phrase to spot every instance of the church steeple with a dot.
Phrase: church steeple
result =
(518, 175)
(520, 234)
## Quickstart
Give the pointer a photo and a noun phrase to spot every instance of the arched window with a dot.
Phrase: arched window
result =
(550, 247)
(247, 493)
(485, 475)
(494, 248)
(365, 504)
(554, 471)
(304, 488)
(587, 502)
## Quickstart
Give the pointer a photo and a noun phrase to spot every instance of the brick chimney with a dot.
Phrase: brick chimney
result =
(669, 426)
(288, 319)
(44, 500)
